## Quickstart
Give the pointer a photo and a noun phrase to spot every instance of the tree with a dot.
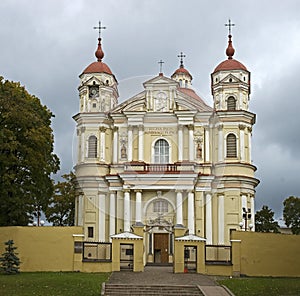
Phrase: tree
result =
(61, 211)
(26, 155)
(291, 213)
(264, 221)
(9, 261)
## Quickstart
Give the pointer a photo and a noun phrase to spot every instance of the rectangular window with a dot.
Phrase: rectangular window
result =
(90, 232)
(160, 206)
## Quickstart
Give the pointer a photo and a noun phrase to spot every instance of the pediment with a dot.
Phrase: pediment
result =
(230, 79)
(92, 81)
(160, 80)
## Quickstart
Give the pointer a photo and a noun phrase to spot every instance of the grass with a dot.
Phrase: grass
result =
(263, 286)
(52, 284)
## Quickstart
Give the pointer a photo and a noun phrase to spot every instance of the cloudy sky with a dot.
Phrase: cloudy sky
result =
(46, 44)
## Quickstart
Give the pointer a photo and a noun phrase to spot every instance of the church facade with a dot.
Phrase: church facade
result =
(163, 159)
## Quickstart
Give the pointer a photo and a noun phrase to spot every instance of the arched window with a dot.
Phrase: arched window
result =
(231, 146)
(92, 147)
(231, 103)
(160, 206)
(161, 151)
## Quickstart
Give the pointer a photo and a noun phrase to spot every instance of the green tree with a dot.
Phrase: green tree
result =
(61, 211)
(291, 213)
(264, 221)
(26, 154)
(10, 263)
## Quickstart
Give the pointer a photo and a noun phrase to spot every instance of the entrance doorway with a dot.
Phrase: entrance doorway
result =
(190, 258)
(161, 248)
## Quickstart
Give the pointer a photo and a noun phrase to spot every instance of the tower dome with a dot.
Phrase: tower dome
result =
(98, 66)
(182, 75)
(230, 63)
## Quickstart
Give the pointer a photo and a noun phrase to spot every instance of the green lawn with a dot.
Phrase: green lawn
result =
(263, 286)
(52, 283)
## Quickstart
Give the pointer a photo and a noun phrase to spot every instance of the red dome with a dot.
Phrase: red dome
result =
(230, 64)
(97, 67)
(182, 70)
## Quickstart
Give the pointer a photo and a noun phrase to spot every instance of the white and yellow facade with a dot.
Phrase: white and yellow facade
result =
(163, 159)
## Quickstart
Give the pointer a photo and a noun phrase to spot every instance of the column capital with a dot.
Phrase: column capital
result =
(138, 190)
(102, 129)
(220, 126)
(130, 127)
(178, 190)
(82, 129)
(250, 129)
(180, 126)
(141, 127)
(242, 126)
(191, 127)
(115, 128)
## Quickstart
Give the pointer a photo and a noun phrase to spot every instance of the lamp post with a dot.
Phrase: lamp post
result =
(246, 217)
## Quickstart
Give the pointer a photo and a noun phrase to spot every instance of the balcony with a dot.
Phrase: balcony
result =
(167, 168)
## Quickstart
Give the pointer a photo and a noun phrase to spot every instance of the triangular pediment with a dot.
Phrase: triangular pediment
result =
(93, 81)
(230, 79)
(160, 80)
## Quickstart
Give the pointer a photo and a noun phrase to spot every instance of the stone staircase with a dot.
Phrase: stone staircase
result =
(149, 290)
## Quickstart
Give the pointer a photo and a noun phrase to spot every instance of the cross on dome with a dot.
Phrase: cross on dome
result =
(229, 25)
(100, 28)
(181, 56)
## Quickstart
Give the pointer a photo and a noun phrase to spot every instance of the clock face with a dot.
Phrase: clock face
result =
(94, 92)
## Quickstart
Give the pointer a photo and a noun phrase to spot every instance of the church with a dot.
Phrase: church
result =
(163, 159)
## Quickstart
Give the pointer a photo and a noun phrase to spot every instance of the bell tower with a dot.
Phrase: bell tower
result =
(232, 133)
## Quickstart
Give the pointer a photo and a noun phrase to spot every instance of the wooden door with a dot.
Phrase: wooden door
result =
(161, 247)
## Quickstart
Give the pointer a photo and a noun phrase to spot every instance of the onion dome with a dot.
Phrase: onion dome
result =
(230, 63)
(99, 66)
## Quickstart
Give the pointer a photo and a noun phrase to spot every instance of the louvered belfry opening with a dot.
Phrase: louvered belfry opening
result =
(92, 150)
(231, 146)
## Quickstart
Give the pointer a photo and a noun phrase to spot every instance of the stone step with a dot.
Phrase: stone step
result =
(149, 290)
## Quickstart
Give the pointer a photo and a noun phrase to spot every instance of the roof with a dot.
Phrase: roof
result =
(230, 64)
(97, 67)
(191, 93)
(182, 70)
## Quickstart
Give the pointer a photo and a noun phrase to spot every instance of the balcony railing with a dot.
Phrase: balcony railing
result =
(140, 167)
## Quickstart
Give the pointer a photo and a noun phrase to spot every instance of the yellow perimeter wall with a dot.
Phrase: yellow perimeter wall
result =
(268, 254)
(52, 249)
(42, 248)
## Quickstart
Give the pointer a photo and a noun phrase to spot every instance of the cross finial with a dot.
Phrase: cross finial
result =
(100, 28)
(181, 56)
(229, 25)
(161, 62)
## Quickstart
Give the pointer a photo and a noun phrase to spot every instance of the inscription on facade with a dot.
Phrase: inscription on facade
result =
(160, 131)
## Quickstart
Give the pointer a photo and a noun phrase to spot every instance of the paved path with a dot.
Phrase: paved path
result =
(153, 275)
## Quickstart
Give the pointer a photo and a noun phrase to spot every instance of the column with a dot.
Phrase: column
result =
(112, 213)
(242, 141)
(129, 156)
(115, 145)
(127, 211)
(220, 143)
(250, 144)
(191, 213)
(208, 220)
(101, 211)
(252, 206)
(207, 147)
(102, 143)
(180, 142)
(244, 205)
(82, 130)
(80, 210)
(191, 142)
(138, 207)
(141, 143)
(221, 225)
(179, 219)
